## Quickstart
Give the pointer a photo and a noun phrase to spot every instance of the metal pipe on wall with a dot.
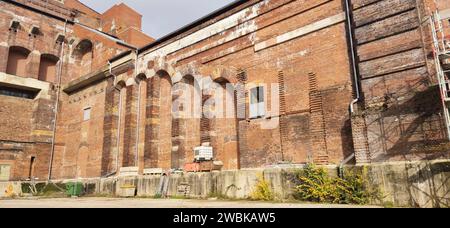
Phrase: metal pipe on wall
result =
(355, 74)
(352, 55)
(58, 92)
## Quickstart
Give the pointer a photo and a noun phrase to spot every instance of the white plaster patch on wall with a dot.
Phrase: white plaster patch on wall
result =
(72, 60)
(299, 54)
(301, 31)
(99, 45)
(3, 44)
(150, 73)
(302, 53)
(130, 82)
(252, 38)
(311, 28)
(177, 77)
(216, 28)
(241, 30)
(21, 18)
(61, 28)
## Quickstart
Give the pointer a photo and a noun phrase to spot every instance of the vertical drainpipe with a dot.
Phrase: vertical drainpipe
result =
(353, 55)
(138, 82)
(58, 92)
(355, 75)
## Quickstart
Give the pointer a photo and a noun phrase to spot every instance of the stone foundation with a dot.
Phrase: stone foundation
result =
(403, 184)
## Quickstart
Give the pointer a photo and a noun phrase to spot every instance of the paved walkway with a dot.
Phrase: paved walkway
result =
(151, 203)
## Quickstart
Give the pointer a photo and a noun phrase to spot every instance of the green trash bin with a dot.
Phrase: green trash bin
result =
(74, 188)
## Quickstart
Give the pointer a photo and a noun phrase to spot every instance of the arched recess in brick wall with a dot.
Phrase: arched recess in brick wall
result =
(111, 130)
(48, 68)
(18, 61)
(158, 127)
(224, 125)
(83, 55)
(135, 98)
(121, 95)
(188, 105)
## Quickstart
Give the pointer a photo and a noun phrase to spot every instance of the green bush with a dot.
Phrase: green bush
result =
(262, 190)
(315, 185)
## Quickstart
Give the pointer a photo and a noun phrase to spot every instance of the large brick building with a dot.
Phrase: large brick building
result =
(84, 94)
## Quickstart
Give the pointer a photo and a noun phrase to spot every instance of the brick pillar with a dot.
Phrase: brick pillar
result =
(360, 142)
(129, 149)
(151, 151)
(178, 126)
(317, 123)
(241, 113)
(34, 61)
(110, 127)
(42, 122)
(4, 51)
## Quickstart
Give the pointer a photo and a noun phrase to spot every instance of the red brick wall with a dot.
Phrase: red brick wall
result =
(297, 58)
(401, 106)
(397, 118)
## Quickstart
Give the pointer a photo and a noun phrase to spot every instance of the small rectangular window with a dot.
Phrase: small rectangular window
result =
(87, 114)
(257, 104)
(16, 92)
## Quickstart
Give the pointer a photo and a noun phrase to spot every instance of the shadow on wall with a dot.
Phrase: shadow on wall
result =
(347, 141)
(435, 177)
(408, 129)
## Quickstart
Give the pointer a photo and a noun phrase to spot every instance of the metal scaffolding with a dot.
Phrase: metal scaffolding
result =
(442, 63)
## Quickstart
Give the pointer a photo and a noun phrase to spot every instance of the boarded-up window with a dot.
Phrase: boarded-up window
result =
(17, 61)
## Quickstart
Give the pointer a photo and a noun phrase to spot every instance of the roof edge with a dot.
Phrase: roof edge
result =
(193, 24)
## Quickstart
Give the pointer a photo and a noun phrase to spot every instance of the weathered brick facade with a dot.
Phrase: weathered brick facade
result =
(30, 63)
(138, 117)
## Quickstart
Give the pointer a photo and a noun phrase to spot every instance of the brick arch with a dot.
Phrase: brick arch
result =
(141, 77)
(48, 68)
(223, 73)
(83, 53)
(18, 59)
(185, 71)
(120, 85)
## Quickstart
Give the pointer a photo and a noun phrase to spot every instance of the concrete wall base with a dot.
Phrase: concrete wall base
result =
(405, 184)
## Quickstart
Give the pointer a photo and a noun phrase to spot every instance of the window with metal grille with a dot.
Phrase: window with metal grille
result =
(16, 92)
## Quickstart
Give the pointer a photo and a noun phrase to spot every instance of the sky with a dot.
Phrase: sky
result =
(160, 17)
